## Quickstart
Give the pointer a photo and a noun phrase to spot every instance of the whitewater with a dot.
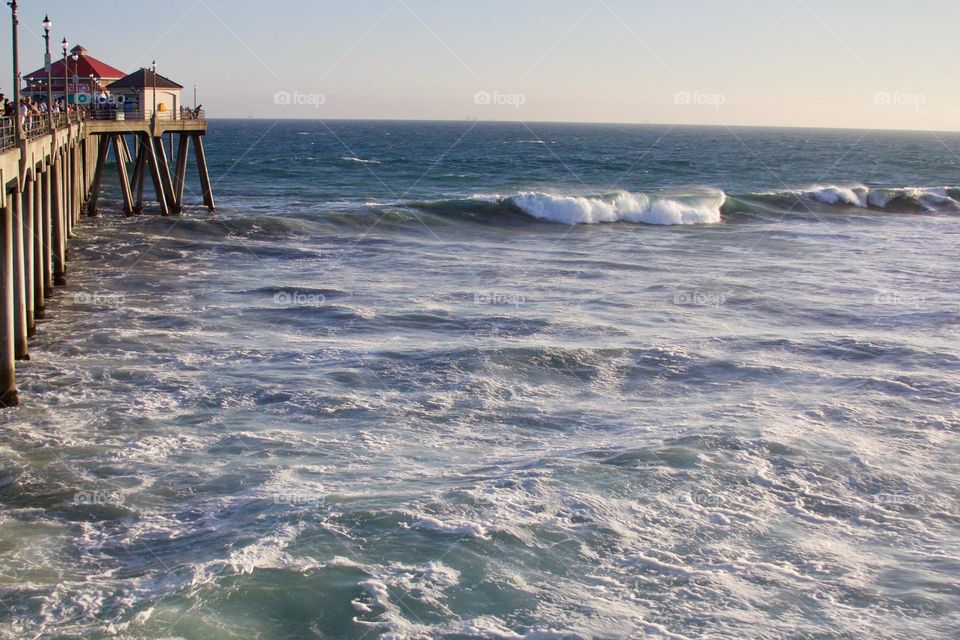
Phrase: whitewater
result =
(623, 383)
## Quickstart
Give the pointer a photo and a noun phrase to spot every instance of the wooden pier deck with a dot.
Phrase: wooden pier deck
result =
(51, 177)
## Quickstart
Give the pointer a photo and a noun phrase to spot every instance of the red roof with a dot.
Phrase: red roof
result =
(83, 67)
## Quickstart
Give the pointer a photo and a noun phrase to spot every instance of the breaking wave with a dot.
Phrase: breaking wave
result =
(858, 196)
(623, 206)
(701, 207)
(704, 206)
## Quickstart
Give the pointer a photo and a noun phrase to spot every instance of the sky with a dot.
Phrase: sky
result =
(814, 63)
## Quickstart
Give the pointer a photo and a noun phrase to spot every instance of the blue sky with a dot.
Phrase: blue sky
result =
(769, 62)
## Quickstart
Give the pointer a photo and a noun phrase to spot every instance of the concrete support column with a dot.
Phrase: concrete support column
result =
(67, 187)
(39, 249)
(154, 165)
(73, 185)
(66, 211)
(91, 148)
(76, 181)
(120, 151)
(204, 172)
(15, 208)
(58, 232)
(30, 272)
(139, 166)
(124, 149)
(102, 149)
(48, 230)
(166, 182)
(8, 376)
(180, 179)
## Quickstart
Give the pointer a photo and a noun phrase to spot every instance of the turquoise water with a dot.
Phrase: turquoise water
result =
(472, 380)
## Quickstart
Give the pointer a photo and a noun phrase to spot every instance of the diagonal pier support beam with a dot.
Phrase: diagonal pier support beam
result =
(102, 149)
(154, 165)
(121, 154)
(124, 147)
(139, 167)
(165, 180)
(180, 179)
(204, 172)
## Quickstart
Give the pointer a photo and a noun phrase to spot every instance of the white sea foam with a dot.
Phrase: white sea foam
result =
(427, 584)
(854, 196)
(702, 208)
(863, 197)
(492, 628)
(467, 529)
(360, 160)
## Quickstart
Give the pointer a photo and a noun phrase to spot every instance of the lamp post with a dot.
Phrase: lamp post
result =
(47, 25)
(66, 83)
(76, 85)
(17, 133)
(153, 69)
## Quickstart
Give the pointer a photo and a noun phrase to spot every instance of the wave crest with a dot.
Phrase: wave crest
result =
(905, 199)
(702, 208)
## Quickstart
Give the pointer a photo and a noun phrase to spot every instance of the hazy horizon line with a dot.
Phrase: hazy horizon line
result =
(595, 122)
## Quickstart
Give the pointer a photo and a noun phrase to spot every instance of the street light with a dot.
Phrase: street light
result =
(153, 68)
(66, 82)
(15, 20)
(76, 84)
(47, 25)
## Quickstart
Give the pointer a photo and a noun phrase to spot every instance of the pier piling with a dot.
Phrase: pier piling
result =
(50, 177)
(183, 151)
(139, 166)
(154, 165)
(102, 149)
(30, 273)
(121, 153)
(204, 172)
(47, 230)
(164, 168)
(20, 325)
(39, 288)
(58, 232)
(8, 381)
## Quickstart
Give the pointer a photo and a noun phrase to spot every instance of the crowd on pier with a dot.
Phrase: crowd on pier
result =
(30, 108)
(34, 111)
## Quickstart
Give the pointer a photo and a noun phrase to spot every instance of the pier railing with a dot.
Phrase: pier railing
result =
(7, 133)
(163, 116)
(34, 126)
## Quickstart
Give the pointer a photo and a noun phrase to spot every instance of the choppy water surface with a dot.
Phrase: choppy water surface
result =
(502, 381)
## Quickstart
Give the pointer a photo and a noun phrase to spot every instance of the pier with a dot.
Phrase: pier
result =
(52, 163)
(52, 168)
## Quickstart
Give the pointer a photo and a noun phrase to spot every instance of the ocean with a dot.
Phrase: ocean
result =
(478, 380)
